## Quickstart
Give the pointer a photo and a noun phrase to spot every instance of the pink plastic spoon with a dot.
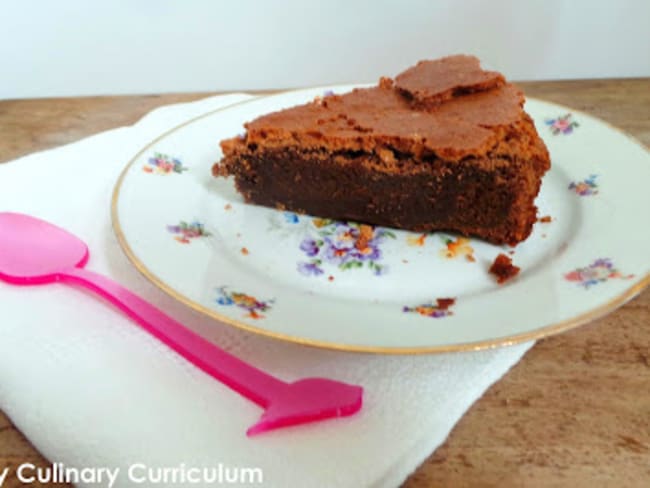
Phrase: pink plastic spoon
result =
(33, 252)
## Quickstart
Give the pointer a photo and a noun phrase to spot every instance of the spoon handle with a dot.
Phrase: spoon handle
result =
(252, 383)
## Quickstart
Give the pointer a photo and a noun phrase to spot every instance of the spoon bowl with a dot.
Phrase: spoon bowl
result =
(33, 251)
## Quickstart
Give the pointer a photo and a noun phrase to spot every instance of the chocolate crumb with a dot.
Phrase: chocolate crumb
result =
(503, 268)
(445, 303)
(244, 251)
(330, 278)
(227, 207)
(546, 219)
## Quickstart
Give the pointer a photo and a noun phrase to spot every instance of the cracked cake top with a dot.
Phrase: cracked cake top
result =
(448, 108)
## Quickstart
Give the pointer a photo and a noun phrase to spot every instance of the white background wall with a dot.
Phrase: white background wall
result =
(82, 47)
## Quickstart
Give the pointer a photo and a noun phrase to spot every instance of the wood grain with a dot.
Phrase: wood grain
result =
(574, 412)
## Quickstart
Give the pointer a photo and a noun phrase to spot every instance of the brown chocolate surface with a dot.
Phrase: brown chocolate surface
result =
(381, 118)
(432, 82)
(378, 118)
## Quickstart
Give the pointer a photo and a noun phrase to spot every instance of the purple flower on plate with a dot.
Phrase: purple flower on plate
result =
(163, 164)
(346, 245)
(599, 271)
(185, 231)
(369, 253)
(309, 247)
(563, 124)
(335, 253)
(310, 269)
(586, 187)
(605, 263)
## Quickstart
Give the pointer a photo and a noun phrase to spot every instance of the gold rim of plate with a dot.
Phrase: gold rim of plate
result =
(545, 331)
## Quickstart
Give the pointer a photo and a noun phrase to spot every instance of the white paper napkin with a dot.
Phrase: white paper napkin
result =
(90, 389)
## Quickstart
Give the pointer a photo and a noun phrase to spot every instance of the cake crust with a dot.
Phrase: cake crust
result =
(429, 83)
(460, 156)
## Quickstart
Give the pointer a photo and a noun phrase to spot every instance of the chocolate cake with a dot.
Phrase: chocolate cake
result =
(443, 146)
(503, 269)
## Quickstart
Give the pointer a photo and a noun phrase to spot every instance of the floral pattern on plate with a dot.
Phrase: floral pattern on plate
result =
(291, 217)
(252, 305)
(564, 124)
(600, 271)
(287, 224)
(346, 245)
(456, 248)
(586, 187)
(372, 309)
(416, 240)
(163, 164)
(441, 308)
(185, 232)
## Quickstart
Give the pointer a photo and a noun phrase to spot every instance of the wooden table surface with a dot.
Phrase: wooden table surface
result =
(574, 412)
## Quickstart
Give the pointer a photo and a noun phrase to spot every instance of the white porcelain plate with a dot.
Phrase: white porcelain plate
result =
(307, 280)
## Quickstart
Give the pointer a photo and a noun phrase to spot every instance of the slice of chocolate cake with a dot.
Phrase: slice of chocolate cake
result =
(445, 146)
